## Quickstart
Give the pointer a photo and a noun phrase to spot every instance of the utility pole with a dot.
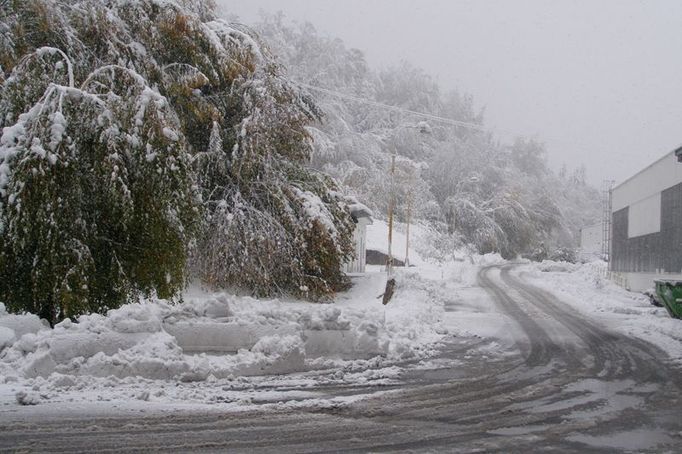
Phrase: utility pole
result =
(607, 186)
(410, 183)
(391, 207)
(424, 129)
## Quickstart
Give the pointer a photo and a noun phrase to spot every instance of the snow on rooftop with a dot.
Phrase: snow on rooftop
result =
(358, 211)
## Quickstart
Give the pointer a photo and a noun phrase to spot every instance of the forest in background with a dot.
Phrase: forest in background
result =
(474, 189)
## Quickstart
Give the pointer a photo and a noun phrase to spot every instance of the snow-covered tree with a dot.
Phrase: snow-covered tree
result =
(273, 224)
(138, 132)
(97, 198)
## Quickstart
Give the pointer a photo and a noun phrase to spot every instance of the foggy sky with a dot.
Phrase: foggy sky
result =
(598, 81)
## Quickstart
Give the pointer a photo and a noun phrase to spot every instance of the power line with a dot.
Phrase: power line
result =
(445, 120)
(427, 116)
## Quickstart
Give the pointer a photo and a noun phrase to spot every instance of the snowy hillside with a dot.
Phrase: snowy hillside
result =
(450, 170)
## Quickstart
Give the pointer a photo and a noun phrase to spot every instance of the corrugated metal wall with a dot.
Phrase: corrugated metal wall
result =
(671, 229)
(655, 252)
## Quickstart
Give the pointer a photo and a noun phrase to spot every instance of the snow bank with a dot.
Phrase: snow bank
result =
(414, 317)
(20, 324)
(212, 335)
(552, 266)
(13, 327)
(7, 337)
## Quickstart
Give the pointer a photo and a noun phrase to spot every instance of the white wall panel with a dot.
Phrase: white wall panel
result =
(660, 175)
(591, 239)
(644, 217)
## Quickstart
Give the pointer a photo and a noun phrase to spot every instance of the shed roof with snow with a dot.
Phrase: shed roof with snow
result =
(359, 211)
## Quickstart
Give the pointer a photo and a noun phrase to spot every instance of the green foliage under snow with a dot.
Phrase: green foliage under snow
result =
(140, 136)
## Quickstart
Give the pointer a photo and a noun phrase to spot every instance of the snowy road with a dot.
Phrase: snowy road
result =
(567, 384)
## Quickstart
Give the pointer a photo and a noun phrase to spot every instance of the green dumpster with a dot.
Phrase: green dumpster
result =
(670, 294)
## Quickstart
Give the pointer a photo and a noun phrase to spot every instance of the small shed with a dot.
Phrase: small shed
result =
(362, 217)
(591, 239)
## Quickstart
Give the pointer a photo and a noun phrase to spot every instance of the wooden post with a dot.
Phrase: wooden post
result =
(388, 293)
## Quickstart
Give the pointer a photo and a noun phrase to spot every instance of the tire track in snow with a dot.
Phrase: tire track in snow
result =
(571, 378)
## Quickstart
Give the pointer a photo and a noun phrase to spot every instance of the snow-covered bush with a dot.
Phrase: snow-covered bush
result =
(564, 254)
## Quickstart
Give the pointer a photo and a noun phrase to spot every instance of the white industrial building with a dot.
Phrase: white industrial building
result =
(646, 227)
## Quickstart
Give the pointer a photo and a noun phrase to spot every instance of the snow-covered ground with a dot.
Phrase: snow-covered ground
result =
(217, 350)
(166, 353)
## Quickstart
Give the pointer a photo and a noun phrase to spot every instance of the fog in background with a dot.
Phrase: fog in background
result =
(597, 81)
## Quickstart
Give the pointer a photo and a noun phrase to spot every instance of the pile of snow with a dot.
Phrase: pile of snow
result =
(219, 335)
(13, 327)
(556, 267)
(587, 288)
(147, 339)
